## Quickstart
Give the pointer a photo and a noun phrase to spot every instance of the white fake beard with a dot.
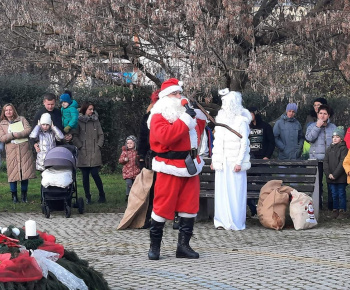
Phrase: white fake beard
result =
(170, 108)
(229, 110)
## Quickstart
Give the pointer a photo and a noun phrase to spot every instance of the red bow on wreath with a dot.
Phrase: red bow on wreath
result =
(8, 241)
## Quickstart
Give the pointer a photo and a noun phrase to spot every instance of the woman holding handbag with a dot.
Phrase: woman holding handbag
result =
(14, 132)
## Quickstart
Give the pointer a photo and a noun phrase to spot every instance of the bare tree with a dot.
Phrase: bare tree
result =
(276, 47)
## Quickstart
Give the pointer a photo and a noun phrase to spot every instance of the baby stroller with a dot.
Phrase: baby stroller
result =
(59, 183)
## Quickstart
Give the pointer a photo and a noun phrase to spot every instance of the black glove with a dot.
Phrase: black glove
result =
(194, 105)
(142, 164)
(191, 112)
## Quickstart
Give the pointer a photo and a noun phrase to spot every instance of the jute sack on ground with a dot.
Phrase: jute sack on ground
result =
(302, 211)
(272, 205)
(135, 214)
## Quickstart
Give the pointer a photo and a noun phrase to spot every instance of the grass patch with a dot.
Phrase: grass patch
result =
(114, 187)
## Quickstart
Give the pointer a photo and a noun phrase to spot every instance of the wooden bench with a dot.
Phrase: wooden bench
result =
(299, 174)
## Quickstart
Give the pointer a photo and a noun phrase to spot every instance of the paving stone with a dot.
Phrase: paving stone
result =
(256, 258)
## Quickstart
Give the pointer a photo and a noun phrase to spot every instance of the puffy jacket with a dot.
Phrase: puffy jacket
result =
(320, 139)
(19, 157)
(70, 115)
(333, 162)
(288, 138)
(46, 141)
(88, 138)
(346, 166)
(131, 168)
(228, 146)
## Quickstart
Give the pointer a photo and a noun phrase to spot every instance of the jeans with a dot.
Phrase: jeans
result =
(24, 185)
(129, 183)
(251, 202)
(320, 184)
(339, 195)
(86, 180)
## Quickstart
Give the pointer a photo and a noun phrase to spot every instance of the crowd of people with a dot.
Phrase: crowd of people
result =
(169, 149)
(50, 127)
(173, 136)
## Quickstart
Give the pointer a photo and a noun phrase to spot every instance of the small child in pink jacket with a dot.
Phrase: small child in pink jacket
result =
(128, 158)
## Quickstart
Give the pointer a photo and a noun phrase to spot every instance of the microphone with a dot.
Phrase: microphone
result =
(189, 110)
(184, 103)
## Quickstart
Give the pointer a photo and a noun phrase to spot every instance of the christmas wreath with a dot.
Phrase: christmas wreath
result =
(41, 263)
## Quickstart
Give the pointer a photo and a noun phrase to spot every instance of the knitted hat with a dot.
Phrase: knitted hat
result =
(45, 119)
(170, 86)
(292, 106)
(253, 110)
(339, 131)
(132, 138)
(65, 98)
(323, 101)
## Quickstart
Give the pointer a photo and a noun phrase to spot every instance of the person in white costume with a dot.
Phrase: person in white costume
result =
(231, 160)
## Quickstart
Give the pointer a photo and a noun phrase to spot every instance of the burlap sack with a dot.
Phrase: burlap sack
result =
(272, 205)
(135, 214)
(301, 211)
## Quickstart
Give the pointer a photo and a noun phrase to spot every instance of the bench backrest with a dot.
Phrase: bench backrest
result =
(299, 174)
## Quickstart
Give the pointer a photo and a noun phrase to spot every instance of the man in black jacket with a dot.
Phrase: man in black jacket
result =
(49, 101)
(262, 145)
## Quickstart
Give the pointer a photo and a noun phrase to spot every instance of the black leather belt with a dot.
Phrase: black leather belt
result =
(178, 154)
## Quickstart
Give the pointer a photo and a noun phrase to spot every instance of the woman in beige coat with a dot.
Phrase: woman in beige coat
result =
(88, 138)
(19, 157)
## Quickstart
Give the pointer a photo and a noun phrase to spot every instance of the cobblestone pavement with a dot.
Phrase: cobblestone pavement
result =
(256, 258)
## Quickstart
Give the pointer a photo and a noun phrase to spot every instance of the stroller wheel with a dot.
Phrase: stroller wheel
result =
(47, 211)
(80, 205)
(68, 211)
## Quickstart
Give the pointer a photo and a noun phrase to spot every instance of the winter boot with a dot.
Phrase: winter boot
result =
(15, 197)
(156, 234)
(176, 222)
(102, 198)
(24, 196)
(335, 213)
(184, 249)
(342, 215)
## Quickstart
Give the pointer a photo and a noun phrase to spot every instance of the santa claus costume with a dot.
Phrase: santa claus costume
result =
(231, 160)
(174, 136)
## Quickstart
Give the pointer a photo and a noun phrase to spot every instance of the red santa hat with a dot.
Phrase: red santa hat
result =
(170, 86)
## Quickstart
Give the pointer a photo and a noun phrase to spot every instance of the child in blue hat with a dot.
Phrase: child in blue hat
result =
(69, 112)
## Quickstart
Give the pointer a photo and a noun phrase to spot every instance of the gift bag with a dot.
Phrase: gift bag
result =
(301, 211)
(272, 205)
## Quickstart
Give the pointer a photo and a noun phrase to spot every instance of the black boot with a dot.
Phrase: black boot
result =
(184, 249)
(156, 234)
(88, 198)
(176, 223)
(102, 198)
(24, 196)
(15, 197)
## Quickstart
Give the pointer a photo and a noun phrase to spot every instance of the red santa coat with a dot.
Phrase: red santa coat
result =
(175, 189)
(181, 135)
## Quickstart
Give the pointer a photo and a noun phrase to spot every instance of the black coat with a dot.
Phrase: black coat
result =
(143, 141)
(262, 140)
(333, 162)
(56, 117)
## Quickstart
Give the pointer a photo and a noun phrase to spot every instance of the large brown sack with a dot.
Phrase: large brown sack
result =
(135, 214)
(272, 205)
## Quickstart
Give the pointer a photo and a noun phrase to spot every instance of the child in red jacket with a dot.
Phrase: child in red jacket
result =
(128, 158)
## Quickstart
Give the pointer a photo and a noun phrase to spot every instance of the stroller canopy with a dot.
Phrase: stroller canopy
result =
(60, 156)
